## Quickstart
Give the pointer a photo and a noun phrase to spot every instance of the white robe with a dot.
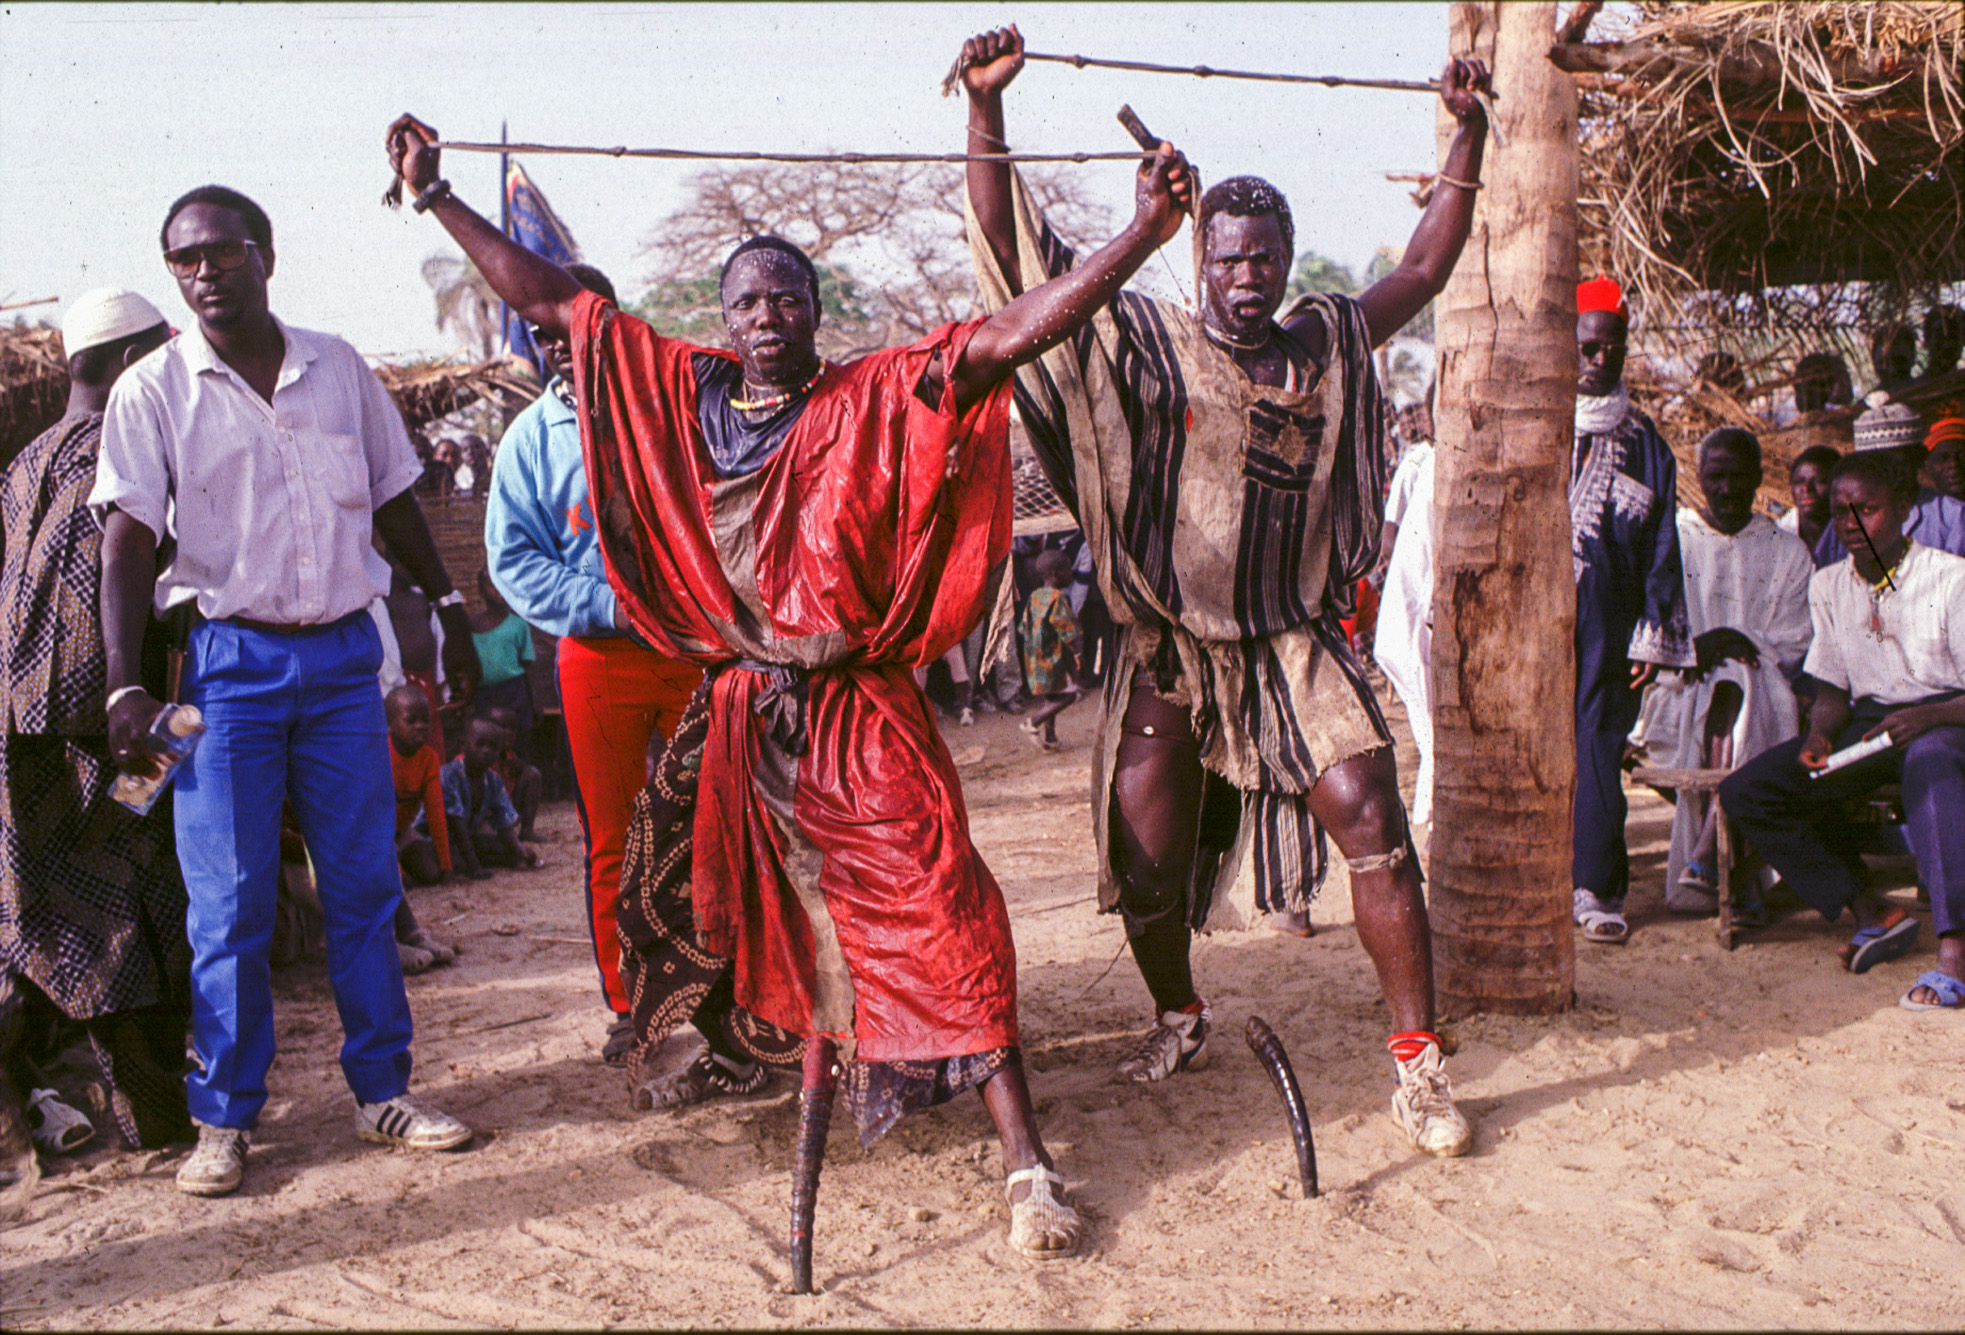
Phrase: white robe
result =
(1404, 645)
(1755, 581)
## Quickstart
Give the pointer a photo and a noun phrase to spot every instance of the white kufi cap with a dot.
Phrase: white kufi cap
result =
(103, 315)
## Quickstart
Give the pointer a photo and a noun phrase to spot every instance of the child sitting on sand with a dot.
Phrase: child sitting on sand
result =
(424, 853)
(522, 780)
(425, 858)
(1051, 642)
(484, 826)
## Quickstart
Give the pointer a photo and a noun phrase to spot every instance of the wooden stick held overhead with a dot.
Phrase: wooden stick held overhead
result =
(764, 155)
(1481, 95)
(1207, 72)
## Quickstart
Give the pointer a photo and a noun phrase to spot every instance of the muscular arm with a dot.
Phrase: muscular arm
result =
(1042, 317)
(539, 290)
(993, 59)
(1436, 243)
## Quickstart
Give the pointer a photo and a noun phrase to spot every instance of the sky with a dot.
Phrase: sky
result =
(107, 113)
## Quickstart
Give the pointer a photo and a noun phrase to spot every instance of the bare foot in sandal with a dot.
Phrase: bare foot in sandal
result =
(414, 959)
(1042, 1226)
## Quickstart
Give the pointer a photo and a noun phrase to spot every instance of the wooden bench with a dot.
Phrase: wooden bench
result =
(1883, 806)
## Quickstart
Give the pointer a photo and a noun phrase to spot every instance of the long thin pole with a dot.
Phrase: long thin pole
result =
(1208, 72)
(756, 155)
(504, 226)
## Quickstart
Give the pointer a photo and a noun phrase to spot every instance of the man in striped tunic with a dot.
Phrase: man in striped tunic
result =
(1228, 473)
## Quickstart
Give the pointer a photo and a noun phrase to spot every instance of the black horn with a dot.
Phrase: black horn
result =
(1269, 1051)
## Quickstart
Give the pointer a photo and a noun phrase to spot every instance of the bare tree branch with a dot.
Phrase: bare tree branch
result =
(887, 239)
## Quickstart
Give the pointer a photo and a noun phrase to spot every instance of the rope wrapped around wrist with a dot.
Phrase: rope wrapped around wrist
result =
(439, 189)
(1437, 176)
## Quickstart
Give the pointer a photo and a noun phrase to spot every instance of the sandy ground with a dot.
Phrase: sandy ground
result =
(1746, 1140)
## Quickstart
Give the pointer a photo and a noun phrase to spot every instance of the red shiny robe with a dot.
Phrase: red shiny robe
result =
(862, 549)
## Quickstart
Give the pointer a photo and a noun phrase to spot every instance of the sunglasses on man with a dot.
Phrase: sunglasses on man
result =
(221, 255)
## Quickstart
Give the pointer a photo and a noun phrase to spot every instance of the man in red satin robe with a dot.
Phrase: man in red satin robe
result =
(808, 533)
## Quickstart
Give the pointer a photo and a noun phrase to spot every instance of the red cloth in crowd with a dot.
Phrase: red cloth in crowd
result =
(863, 548)
(614, 694)
(419, 785)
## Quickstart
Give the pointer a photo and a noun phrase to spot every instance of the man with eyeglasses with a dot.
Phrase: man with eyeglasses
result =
(245, 467)
(545, 559)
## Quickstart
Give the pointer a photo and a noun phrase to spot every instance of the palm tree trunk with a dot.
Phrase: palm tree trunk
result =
(1504, 603)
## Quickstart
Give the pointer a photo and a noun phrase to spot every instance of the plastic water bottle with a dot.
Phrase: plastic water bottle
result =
(174, 733)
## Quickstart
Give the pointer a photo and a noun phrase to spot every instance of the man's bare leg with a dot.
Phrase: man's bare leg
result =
(1155, 824)
(1042, 1226)
(1357, 802)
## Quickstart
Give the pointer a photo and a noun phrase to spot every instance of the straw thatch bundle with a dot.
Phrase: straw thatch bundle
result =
(33, 385)
(1742, 148)
(427, 391)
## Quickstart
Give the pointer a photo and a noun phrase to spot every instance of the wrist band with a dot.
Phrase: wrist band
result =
(451, 599)
(1455, 180)
(118, 694)
(438, 190)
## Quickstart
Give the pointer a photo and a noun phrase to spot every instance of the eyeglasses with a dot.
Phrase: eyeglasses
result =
(221, 255)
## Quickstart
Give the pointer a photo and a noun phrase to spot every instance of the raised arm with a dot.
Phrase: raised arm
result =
(539, 290)
(1435, 245)
(990, 61)
(1044, 316)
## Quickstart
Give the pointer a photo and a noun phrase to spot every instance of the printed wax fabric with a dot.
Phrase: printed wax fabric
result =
(91, 902)
(831, 861)
(1229, 524)
(1050, 637)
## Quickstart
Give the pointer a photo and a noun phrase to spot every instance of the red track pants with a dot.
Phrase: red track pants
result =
(614, 694)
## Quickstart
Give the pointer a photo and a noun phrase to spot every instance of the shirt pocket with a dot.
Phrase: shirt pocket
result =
(344, 471)
(1281, 449)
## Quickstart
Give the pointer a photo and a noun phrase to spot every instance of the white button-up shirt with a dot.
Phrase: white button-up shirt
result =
(272, 504)
(1893, 647)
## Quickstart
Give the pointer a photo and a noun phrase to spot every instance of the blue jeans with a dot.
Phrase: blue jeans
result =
(1787, 815)
(288, 716)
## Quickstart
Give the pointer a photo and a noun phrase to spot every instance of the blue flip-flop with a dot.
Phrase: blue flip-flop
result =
(1951, 993)
(1871, 946)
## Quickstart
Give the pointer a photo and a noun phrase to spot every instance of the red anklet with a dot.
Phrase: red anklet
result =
(1406, 1046)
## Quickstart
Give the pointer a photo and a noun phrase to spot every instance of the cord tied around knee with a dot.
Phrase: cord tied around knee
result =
(1378, 861)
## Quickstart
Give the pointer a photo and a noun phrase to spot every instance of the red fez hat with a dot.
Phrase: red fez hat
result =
(1600, 294)
(1944, 429)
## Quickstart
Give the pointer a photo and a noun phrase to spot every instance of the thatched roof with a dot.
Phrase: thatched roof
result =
(1739, 147)
(34, 386)
(426, 391)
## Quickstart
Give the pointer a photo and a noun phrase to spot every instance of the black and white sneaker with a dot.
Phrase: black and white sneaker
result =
(1177, 1042)
(403, 1121)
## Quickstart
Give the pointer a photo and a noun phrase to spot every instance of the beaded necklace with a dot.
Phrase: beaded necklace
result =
(779, 400)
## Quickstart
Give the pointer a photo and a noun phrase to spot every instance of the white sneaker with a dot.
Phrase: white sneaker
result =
(218, 1165)
(1177, 1042)
(1423, 1105)
(403, 1121)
